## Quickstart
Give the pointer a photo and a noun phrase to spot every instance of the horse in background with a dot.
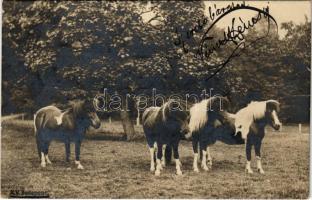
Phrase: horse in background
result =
(205, 118)
(165, 126)
(51, 123)
(250, 123)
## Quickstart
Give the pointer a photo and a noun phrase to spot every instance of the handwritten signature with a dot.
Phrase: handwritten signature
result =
(234, 33)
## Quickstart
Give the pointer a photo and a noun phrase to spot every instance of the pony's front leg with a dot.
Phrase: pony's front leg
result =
(43, 162)
(195, 150)
(203, 148)
(248, 156)
(258, 155)
(209, 159)
(177, 159)
(158, 159)
(163, 159)
(152, 155)
(77, 154)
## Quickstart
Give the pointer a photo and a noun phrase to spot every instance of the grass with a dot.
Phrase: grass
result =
(119, 169)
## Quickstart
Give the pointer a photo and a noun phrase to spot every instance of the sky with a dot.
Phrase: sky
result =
(282, 11)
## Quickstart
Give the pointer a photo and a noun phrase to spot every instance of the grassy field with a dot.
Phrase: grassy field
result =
(119, 169)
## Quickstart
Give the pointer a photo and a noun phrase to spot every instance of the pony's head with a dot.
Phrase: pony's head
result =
(177, 111)
(264, 111)
(272, 109)
(185, 129)
(84, 110)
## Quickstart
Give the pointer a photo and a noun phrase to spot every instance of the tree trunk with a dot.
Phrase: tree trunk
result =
(127, 125)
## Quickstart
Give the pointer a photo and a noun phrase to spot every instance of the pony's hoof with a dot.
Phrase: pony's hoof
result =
(196, 170)
(163, 164)
(261, 171)
(157, 173)
(43, 165)
(49, 162)
(205, 167)
(179, 172)
(152, 169)
(80, 166)
(210, 163)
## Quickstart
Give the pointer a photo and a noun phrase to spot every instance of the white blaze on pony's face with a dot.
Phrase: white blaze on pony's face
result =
(272, 109)
(276, 121)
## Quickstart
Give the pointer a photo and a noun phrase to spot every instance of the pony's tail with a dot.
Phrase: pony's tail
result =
(37, 137)
(35, 129)
(38, 146)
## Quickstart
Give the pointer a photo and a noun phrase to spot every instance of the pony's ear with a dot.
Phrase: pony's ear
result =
(270, 106)
(87, 105)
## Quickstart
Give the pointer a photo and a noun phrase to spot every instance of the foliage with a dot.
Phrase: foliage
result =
(55, 51)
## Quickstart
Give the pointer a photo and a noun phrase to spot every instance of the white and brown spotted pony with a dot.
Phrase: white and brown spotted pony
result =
(250, 123)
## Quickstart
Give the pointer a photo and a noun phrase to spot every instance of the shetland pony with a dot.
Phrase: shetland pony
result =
(250, 123)
(205, 117)
(51, 123)
(164, 126)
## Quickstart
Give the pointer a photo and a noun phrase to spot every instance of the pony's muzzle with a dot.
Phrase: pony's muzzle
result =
(277, 126)
(96, 124)
(239, 134)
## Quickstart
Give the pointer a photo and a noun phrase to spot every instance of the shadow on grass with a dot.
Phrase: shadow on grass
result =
(105, 137)
(112, 137)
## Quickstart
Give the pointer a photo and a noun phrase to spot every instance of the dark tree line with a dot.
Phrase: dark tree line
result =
(57, 51)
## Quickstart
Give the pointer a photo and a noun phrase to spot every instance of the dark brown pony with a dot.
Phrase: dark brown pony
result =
(68, 126)
(204, 117)
(163, 128)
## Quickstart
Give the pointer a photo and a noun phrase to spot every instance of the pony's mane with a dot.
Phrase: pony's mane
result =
(163, 110)
(179, 113)
(255, 109)
(273, 101)
(198, 113)
(149, 120)
(77, 107)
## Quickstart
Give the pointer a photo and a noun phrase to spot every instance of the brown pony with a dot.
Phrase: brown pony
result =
(68, 126)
